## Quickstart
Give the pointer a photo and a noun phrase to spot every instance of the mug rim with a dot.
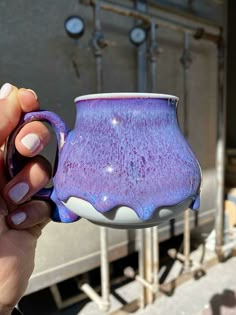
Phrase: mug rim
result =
(114, 95)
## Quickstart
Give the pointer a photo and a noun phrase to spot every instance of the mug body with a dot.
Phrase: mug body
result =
(126, 163)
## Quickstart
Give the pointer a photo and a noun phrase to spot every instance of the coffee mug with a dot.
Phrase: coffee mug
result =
(126, 163)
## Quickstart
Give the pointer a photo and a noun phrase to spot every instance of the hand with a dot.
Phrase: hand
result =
(21, 219)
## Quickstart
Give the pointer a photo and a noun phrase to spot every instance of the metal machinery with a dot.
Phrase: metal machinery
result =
(143, 35)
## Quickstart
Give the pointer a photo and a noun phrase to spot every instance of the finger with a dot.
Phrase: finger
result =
(28, 100)
(12, 103)
(28, 181)
(3, 207)
(32, 138)
(32, 214)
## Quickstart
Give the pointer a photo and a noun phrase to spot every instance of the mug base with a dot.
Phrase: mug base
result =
(123, 217)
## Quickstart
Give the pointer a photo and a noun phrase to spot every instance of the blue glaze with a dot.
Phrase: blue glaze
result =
(128, 153)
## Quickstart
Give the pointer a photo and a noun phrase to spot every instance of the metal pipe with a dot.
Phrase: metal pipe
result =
(153, 52)
(146, 284)
(142, 68)
(98, 43)
(153, 56)
(156, 258)
(141, 86)
(159, 20)
(141, 265)
(92, 294)
(148, 263)
(186, 61)
(105, 268)
(220, 149)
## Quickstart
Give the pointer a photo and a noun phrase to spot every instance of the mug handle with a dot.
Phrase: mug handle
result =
(14, 161)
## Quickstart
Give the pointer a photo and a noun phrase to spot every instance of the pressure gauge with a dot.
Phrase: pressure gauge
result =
(137, 35)
(74, 26)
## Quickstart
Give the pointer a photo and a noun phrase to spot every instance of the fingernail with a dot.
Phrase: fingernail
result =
(18, 218)
(18, 192)
(31, 142)
(35, 95)
(5, 90)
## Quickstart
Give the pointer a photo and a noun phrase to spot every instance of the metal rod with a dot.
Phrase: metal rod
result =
(103, 302)
(156, 258)
(105, 267)
(142, 68)
(142, 86)
(141, 265)
(186, 62)
(159, 20)
(148, 263)
(220, 150)
(98, 44)
(141, 57)
(146, 284)
(92, 294)
(153, 56)
(153, 52)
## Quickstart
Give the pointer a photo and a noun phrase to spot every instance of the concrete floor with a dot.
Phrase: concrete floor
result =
(212, 294)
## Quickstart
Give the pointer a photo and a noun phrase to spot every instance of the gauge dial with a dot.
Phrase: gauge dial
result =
(137, 35)
(74, 26)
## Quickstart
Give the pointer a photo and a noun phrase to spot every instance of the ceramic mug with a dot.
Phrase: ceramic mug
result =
(125, 164)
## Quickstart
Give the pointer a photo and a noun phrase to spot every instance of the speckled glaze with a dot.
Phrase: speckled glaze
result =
(125, 150)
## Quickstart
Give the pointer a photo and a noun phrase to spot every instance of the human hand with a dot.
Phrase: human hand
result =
(21, 219)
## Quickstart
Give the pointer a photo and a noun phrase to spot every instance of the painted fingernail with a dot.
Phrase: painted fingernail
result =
(35, 95)
(5, 90)
(31, 142)
(18, 192)
(18, 218)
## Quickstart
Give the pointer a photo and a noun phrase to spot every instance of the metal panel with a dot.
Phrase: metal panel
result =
(38, 54)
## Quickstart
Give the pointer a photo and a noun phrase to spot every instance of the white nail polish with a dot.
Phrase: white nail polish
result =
(35, 95)
(18, 192)
(5, 90)
(18, 218)
(31, 142)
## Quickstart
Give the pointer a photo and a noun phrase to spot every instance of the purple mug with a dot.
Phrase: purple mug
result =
(125, 164)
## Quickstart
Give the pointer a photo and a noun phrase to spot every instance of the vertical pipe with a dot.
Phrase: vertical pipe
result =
(220, 149)
(141, 56)
(149, 263)
(156, 258)
(105, 279)
(153, 56)
(153, 71)
(141, 265)
(186, 61)
(98, 45)
(97, 38)
(141, 87)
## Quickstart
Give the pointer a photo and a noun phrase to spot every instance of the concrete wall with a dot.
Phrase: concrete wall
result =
(36, 53)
